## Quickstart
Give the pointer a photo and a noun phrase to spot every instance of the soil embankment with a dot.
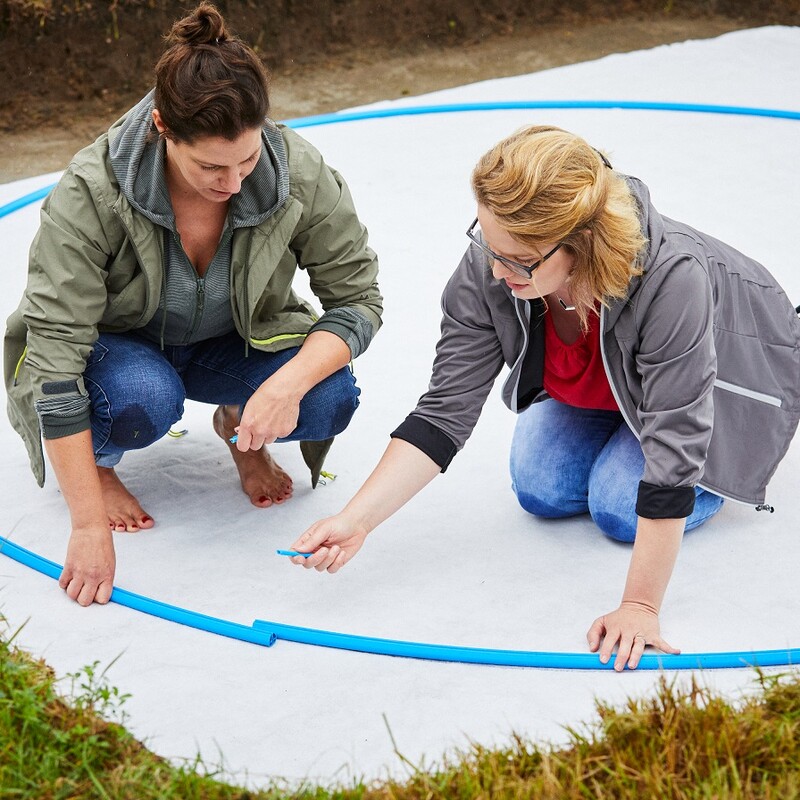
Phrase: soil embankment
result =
(68, 70)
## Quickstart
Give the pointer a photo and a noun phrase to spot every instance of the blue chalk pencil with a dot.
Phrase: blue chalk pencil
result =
(292, 553)
(234, 438)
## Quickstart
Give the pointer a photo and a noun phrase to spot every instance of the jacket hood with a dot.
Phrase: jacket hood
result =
(137, 156)
(653, 229)
(651, 221)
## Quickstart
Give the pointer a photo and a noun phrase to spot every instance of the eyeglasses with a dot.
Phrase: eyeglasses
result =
(525, 270)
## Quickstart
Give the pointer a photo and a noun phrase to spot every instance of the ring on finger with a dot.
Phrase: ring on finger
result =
(642, 637)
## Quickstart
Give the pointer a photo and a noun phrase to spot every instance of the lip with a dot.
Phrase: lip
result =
(222, 194)
(515, 286)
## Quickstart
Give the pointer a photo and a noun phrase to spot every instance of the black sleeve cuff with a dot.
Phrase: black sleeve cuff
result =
(54, 427)
(664, 502)
(435, 443)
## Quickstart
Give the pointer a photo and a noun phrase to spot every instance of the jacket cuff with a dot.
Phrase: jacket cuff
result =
(62, 410)
(664, 502)
(58, 427)
(348, 324)
(436, 444)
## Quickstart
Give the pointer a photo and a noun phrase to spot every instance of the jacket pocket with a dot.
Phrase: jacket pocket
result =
(751, 393)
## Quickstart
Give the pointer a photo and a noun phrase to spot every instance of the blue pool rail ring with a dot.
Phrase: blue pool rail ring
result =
(509, 105)
(521, 105)
(525, 658)
(25, 200)
(138, 602)
(265, 632)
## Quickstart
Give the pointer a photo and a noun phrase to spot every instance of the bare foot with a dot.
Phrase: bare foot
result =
(124, 511)
(263, 481)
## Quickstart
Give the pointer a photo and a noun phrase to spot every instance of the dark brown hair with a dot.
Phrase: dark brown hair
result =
(208, 82)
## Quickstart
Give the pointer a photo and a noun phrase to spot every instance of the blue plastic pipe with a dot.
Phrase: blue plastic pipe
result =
(25, 200)
(514, 105)
(264, 632)
(138, 602)
(511, 105)
(524, 658)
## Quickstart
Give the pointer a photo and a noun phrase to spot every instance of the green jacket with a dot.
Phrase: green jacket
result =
(96, 265)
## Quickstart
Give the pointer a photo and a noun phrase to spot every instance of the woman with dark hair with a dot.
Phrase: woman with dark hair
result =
(655, 369)
(162, 270)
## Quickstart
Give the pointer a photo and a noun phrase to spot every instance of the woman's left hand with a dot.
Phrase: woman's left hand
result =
(273, 410)
(630, 628)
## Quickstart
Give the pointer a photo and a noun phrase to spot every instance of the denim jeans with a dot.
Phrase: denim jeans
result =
(137, 390)
(567, 461)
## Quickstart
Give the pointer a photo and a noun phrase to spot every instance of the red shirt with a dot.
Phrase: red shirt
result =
(574, 373)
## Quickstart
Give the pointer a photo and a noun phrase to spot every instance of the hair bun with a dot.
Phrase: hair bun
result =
(204, 25)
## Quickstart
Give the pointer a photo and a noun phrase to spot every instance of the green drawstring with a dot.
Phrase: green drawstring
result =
(19, 364)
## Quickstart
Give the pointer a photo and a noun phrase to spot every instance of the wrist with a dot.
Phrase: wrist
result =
(288, 382)
(357, 521)
(639, 605)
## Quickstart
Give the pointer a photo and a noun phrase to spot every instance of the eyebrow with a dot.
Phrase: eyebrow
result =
(257, 151)
(517, 257)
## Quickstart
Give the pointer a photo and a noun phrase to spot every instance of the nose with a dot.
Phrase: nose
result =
(500, 270)
(231, 181)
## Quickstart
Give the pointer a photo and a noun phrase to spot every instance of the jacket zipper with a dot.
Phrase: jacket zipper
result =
(525, 325)
(200, 302)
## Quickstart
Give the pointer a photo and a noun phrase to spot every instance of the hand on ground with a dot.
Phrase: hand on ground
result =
(630, 628)
(88, 574)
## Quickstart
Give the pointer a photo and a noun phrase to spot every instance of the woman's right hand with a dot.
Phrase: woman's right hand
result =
(333, 542)
(88, 574)
(401, 473)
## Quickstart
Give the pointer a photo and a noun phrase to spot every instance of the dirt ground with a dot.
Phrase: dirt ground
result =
(355, 77)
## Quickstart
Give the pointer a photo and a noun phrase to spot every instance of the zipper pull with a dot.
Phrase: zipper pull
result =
(765, 507)
(201, 294)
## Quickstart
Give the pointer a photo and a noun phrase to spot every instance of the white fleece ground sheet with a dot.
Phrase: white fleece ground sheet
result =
(461, 564)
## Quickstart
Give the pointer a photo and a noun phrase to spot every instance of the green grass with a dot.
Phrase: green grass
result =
(60, 740)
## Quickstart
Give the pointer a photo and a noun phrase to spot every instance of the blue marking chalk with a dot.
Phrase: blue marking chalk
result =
(292, 553)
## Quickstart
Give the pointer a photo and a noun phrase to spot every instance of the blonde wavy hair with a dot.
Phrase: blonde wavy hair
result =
(544, 184)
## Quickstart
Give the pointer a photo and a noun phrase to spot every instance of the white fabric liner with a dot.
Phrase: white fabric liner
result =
(462, 564)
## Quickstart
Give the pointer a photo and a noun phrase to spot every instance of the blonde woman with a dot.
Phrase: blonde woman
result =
(656, 370)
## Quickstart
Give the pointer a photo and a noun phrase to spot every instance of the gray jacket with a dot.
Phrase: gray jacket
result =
(703, 357)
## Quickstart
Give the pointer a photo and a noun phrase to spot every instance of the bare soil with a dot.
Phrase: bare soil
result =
(42, 134)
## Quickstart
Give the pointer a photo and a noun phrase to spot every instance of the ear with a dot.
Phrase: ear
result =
(159, 123)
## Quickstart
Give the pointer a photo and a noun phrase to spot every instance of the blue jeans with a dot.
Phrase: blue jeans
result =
(567, 461)
(137, 390)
